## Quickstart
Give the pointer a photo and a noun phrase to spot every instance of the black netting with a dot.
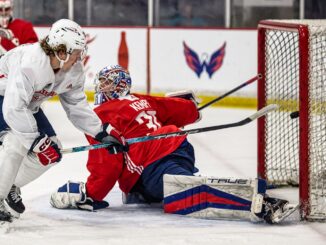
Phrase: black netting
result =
(282, 88)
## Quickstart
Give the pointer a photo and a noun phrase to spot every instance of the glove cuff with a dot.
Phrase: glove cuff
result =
(107, 128)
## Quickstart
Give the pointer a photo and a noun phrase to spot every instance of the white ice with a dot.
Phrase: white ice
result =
(224, 153)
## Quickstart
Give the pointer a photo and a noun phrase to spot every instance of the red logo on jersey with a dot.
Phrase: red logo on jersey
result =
(46, 93)
(43, 92)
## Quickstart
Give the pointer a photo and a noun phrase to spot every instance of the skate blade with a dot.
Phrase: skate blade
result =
(289, 209)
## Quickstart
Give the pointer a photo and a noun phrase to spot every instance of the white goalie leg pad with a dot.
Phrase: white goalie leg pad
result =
(213, 198)
(68, 195)
(12, 153)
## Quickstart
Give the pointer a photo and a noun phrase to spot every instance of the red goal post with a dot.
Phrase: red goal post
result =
(292, 62)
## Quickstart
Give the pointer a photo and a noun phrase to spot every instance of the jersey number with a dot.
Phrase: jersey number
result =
(151, 119)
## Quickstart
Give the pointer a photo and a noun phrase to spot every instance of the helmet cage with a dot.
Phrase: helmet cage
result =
(111, 83)
(5, 12)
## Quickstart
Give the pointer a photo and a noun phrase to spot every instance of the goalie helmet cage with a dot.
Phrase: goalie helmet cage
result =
(292, 62)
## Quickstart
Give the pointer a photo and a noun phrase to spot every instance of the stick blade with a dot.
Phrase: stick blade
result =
(263, 111)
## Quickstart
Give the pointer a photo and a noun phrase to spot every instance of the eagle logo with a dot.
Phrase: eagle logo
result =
(211, 65)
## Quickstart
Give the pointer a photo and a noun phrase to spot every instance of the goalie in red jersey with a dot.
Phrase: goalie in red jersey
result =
(13, 32)
(140, 168)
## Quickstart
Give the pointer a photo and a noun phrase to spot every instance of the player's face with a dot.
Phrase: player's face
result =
(5, 11)
(73, 58)
(5, 15)
(109, 87)
(105, 85)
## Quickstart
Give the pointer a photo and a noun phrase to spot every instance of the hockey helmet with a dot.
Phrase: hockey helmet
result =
(5, 12)
(68, 33)
(112, 82)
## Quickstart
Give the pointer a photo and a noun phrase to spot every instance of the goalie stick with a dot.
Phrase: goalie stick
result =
(245, 121)
(230, 92)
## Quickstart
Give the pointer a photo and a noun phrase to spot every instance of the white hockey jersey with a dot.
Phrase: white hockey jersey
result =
(27, 80)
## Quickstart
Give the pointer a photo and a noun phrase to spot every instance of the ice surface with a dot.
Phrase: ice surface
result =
(223, 153)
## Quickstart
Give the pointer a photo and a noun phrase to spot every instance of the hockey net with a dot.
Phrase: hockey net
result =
(292, 151)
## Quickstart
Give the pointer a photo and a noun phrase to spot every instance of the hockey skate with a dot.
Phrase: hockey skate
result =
(5, 216)
(276, 210)
(133, 198)
(14, 202)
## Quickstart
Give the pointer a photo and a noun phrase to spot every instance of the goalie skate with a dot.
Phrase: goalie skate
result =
(284, 212)
(276, 210)
(133, 198)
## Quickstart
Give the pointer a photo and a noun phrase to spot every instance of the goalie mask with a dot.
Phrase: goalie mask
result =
(5, 12)
(112, 82)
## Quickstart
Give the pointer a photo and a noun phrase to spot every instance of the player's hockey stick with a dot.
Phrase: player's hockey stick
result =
(230, 92)
(245, 121)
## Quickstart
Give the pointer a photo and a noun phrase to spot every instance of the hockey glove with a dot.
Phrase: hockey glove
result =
(46, 150)
(55, 139)
(184, 94)
(90, 205)
(115, 145)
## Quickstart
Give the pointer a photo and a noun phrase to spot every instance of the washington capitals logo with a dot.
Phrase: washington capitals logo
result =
(215, 62)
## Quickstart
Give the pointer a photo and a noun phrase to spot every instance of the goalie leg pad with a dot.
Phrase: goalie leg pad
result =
(68, 195)
(73, 195)
(213, 198)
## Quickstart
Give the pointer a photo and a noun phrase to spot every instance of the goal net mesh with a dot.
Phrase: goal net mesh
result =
(282, 86)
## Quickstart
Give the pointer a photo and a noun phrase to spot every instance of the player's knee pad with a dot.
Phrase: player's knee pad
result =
(68, 195)
(213, 198)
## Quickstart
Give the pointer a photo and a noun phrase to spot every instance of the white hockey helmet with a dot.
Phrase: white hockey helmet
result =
(112, 82)
(5, 12)
(68, 33)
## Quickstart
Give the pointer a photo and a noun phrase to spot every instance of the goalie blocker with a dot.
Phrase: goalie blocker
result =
(223, 198)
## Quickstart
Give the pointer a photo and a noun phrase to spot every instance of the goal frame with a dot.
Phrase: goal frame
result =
(303, 46)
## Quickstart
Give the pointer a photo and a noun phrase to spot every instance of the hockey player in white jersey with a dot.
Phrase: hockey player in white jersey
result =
(30, 75)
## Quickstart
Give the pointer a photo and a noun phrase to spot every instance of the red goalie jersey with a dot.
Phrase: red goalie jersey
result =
(135, 116)
(17, 32)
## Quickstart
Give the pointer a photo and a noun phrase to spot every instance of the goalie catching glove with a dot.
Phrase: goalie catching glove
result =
(73, 195)
(106, 136)
(184, 94)
(46, 150)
